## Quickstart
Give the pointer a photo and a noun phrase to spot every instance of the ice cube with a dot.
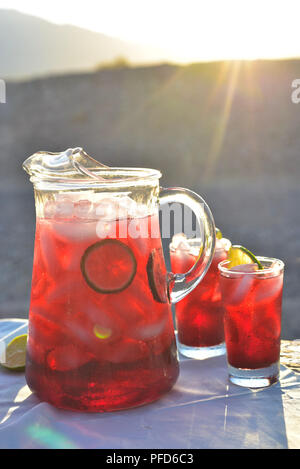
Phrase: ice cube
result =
(219, 244)
(82, 208)
(107, 209)
(64, 208)
(127, 206)
(128, 350)
(141, 211)
(45, 329)
(183, 246)
(231, 329)
(115, 208)
(267, 325)
(138, 228)
(67, 357)
(62, 291)
(276, 267)
(144, 331)
(226, 243)
(48, 250)
(106, 229)
(39, 286)
(195, 251)
(49, 209)
(75, 230)
(177, 239)
(238, 294)
(269, 289)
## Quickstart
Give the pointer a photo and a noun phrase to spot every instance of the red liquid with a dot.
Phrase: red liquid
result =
(91, 350)
(252, 319)
(199, 316)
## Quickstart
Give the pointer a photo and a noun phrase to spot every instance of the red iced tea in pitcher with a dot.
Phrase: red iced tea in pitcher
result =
(101, 335)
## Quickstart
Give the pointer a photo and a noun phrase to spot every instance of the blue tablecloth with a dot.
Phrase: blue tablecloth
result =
(203, 410)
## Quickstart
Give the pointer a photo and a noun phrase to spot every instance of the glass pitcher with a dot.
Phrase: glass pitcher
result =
(101, 334)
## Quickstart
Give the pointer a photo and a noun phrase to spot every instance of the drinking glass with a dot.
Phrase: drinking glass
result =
(252, 320)
(199, 316)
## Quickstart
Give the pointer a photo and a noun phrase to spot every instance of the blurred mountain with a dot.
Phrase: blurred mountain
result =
(203, 122)
(31, 46)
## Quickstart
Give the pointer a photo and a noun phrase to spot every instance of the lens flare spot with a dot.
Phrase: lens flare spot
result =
(49, 438)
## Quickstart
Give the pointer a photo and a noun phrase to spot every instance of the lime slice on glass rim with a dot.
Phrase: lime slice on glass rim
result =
(15, 354)
(239, 255)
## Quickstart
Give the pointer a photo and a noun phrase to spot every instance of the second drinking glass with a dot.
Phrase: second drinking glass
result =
(199, 316)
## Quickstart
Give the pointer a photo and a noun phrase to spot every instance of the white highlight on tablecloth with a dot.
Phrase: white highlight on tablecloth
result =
(203, 410)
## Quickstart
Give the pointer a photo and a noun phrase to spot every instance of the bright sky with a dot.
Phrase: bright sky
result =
(188, 30)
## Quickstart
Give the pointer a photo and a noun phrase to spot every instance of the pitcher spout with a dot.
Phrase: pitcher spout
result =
(71, 163)
(74, 169)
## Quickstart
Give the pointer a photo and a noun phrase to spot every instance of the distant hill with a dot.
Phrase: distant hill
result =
(184, 120)
(31, 46)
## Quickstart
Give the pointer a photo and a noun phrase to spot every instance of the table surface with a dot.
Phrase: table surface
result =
(203, 410)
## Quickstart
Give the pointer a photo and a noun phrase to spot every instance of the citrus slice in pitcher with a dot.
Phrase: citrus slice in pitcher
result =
(108, 266)
(157, 275)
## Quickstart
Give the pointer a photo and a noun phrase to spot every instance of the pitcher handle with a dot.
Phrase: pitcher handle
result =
(181, 285)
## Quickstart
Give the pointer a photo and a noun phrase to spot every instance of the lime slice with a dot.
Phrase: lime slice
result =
(108, 266)
(157, 275)
(219, 234)
(239, 255)
(15, 353)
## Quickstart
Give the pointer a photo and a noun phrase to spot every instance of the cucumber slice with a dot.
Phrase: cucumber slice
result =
(108, 266)
(157, 275)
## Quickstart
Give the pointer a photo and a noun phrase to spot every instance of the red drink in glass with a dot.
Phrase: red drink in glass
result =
(252, 319)
(101, 335)
(199, 316)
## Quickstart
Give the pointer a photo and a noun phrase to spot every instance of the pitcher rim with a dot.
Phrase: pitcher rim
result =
(126, 176)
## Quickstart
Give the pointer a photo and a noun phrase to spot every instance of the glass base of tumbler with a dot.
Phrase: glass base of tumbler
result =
(256, 378)
(201, 353)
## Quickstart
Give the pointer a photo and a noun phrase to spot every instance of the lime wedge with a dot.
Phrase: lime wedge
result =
(15, 353)
(239, 255)
(108, 266)
(219, 234)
